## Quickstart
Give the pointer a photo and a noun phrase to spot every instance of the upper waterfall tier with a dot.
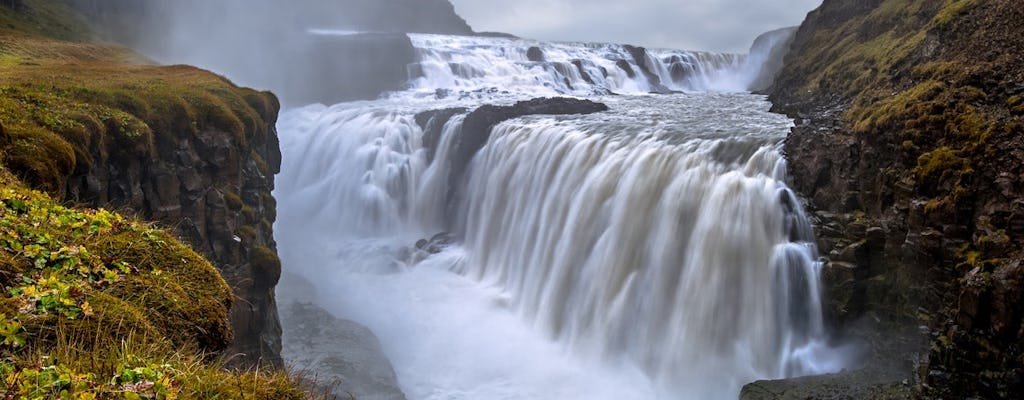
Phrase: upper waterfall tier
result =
(480, 66)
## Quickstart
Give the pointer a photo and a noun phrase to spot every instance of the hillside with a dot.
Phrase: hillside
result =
(908, 147)
(90, 294)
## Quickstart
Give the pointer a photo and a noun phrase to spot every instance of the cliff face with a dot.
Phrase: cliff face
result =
(212, 184)
(909, 149)
(176, 145)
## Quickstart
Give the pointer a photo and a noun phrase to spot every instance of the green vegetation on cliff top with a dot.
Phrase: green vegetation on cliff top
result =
(95, 305)
(915, 73)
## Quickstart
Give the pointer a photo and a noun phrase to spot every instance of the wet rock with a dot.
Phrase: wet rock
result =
(583, 72)
(535, 54)
(639, 55)
(436, 244)
(432, 122)
(476, 130)
(425, 248)
(923, 257)
(626, 66)
(342, 357)
(843, 386)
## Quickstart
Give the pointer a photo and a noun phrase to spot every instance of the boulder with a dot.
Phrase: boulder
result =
(535, 54)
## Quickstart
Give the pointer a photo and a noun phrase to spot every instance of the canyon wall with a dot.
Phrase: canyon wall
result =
(908, 148)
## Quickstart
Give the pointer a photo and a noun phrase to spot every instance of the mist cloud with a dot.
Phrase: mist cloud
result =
(713, 25)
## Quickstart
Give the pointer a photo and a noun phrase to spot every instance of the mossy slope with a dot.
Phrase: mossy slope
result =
(88, 294)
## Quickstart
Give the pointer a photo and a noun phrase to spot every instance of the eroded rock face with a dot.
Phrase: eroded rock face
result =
(920, 214)
(214, 189)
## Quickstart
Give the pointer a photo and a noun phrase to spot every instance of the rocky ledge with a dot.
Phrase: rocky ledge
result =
(478, 125)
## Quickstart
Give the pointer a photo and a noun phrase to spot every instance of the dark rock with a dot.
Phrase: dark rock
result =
(844, 386)
(13, 4)
(342, 357)
(921, 257)
(639, 55)
(583, 72)
(535, 54)
(476, 130)
(625, 66)
(214, 189)
(436, 244)
(433, 122)
(501, 35)
(680, 71)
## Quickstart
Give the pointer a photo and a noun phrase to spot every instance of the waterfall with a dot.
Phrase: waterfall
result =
(657, 241)
(484, 67)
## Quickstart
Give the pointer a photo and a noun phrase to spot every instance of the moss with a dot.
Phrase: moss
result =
(248, 214)
(269, 204)
(116, 112)
(40, 157)
(247, 233)
(266, 265)
(131, 297)
(266, 226)
(953, 9)
(261, 164)
(233, 201)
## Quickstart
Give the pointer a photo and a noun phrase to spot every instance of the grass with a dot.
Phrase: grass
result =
(941, 114)
(95, 305)
(81, 114)
(89, 295)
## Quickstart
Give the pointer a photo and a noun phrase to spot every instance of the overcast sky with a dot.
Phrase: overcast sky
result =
(712, 25)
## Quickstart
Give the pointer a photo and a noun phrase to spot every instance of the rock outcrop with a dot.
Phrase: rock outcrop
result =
(770, 50)
(213, 187)
(477, 127)
(908, 148)
(640, 57)
(344, 357)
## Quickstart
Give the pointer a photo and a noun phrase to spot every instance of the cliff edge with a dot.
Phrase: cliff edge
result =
(96, 124)
(909, 151)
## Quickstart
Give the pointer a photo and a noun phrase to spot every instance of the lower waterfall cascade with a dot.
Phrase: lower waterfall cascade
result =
(652, 251)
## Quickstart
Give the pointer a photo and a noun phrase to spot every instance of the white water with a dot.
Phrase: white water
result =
(481, 67)
(649, 252)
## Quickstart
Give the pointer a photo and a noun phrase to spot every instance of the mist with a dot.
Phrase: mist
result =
(268, 44)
